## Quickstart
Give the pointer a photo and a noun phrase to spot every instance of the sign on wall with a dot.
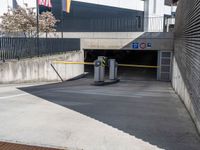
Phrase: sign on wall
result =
(142, 45)
(135, 45)
(149, 45)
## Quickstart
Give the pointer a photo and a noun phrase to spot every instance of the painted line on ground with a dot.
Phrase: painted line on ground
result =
(12, 96)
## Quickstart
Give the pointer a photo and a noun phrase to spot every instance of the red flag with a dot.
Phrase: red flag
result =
(46, 3)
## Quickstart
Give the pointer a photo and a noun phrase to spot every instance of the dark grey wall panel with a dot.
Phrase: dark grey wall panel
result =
(85, 17)
(187, 48)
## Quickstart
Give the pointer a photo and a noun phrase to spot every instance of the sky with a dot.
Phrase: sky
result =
(8, 3)
(4, 5)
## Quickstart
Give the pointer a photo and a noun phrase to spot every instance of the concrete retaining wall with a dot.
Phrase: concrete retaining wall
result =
(187, 56)
(181, 89)
(39, 69)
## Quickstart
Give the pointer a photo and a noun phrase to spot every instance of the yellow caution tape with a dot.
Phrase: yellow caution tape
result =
(137, 66)
(120, 65)
(75, 63)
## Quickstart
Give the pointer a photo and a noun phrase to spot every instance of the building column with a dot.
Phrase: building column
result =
(146, 15)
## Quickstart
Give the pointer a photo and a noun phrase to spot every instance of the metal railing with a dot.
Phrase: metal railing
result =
(19, 48)
(158, 24)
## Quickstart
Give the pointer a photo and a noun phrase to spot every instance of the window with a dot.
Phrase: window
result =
(138, 21)
(168, 2)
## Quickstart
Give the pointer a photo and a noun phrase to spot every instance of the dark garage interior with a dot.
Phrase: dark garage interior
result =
(139, 57)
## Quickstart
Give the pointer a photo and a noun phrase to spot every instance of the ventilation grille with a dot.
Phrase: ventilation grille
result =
(187, 48)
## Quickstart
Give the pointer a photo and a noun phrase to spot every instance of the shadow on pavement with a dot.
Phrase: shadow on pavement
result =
(145, 109)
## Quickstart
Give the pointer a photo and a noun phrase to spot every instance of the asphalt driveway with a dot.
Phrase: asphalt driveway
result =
(148, 110)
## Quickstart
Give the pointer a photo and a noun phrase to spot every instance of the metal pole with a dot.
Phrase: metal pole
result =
(0, 47)
(57, 73)
(37, 9)
(62, 23)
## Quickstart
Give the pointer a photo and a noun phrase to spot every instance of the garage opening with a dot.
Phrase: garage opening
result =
(145, 57)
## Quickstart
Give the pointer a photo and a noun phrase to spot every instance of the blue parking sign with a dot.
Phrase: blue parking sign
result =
(135, 45)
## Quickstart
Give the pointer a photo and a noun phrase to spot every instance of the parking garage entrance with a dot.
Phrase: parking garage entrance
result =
(143, 58)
